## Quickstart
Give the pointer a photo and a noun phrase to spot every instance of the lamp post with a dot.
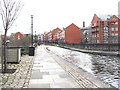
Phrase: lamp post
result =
(31, 48)
(35, 38)
(32, 29)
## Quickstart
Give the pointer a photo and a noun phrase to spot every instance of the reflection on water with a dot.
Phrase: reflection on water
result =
(104, 67)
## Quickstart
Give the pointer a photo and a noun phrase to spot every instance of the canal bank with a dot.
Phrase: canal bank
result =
(103, 67)
(84, 78)
(112, 53)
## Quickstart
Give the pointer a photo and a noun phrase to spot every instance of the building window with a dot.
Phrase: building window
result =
(105, 29)
(94, 24)
(112, 29)
(97, 22)
(105, 35)
(105, 41)
(116, 40)
(112, 22)
(116, 34)
(116, 22)
(18, 37)
(97, 41)
(97, 35)
(112, 40)
(113, 34)
(97, 29)
(116, 29)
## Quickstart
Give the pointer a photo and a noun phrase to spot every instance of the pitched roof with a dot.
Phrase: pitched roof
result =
(72, 25)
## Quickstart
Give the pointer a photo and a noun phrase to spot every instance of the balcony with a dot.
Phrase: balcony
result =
(95, 26)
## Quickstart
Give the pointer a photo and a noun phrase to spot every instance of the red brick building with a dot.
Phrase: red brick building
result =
(50, 36)
(72, 34)
(42, 37)
(104, 29)
(55, 31)
(55, 36)
(45, 36)
(17, 35)
(61, 36)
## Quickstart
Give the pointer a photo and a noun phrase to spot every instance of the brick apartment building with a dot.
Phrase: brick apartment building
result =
(42, 37)
(55, 32)
(72, 34)
(50, 36)
(104, 29)
(55, 37)
(46, 36)
(61, 36)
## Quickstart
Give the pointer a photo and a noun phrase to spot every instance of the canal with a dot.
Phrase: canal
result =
(104, 67)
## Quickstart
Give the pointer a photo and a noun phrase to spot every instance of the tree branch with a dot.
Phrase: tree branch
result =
(9, 11)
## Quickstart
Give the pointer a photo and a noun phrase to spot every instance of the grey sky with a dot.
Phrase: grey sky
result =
(50, 14)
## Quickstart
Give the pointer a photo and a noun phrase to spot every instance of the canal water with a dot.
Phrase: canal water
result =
(104, 67)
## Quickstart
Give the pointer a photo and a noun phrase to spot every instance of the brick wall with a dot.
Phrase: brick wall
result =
(72, 34)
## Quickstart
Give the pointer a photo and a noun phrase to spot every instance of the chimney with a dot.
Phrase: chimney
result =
(83, 23)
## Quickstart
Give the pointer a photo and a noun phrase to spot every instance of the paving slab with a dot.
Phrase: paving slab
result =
(47, 73)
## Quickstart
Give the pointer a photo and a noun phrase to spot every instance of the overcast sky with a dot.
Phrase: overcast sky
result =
(50, 14)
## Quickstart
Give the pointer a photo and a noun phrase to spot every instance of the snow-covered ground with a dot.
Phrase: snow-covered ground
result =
(104, 67)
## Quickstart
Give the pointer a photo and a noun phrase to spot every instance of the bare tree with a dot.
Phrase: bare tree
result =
(9, 11)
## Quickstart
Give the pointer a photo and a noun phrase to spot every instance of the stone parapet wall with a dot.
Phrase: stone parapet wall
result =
(103, 47)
